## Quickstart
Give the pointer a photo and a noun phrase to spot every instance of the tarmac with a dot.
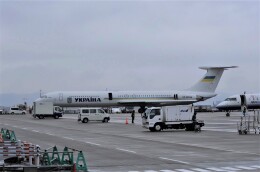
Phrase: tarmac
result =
(120, 147)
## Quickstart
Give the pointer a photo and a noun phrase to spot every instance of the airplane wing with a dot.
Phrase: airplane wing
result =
(145, 102)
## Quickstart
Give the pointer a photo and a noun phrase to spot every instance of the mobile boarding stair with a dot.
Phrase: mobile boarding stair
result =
(249, 123)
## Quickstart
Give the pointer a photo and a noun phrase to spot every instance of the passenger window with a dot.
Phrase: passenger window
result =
(92, 110)
(85, 111)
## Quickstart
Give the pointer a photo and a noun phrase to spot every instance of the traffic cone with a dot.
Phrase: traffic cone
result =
(126, 121)
(74, 168)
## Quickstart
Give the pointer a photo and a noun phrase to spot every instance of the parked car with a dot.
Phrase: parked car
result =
(116, 110)
(92, 114)
(14, 110)
(127, 110)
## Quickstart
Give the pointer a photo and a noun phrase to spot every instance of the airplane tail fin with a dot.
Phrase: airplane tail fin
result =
(209, 82)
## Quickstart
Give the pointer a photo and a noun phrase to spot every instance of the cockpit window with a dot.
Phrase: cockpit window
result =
(231, 99)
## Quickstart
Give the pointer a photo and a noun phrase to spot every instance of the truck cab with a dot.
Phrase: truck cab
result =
(151, 117)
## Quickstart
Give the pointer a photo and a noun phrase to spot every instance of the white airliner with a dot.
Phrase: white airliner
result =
(201, 91)
(252, 101)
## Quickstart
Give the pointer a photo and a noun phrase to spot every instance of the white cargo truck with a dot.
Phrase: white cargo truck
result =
(171, 117)
(46, 109)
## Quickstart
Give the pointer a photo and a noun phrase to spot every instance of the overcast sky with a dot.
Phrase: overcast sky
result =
(145, 45)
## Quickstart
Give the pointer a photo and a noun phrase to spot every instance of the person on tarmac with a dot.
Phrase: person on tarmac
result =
(133, 116)
(194, 116)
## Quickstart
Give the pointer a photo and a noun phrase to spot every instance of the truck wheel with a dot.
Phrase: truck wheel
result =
(105, 120)
(12, 113)
(23, 113)
(56, 116)
(158, 127)
(41, 117)
(85, 120)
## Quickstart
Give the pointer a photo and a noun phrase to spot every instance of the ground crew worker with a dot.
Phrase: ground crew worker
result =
(133, 116)
(194, 116)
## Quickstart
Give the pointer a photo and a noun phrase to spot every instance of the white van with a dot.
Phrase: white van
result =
(92, 114)
(14, 110)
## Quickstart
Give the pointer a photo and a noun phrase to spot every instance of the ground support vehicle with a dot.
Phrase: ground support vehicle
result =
(249, 123)
(93, 114)
(171, 117)
(46, 109)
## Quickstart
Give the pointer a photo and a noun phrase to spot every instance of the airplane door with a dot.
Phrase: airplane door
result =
(110, 96)
(243, 100)
(243, 104)
(60, 97)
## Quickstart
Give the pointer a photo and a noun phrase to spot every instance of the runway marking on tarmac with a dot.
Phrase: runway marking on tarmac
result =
(125, 150)
(183, 170)
(93, 143)
(245, 168)
(182, 162)
(230, 168)
(222, 130)
(227, 123)
(50, 134)
(24, 128)
(217, 148)
(68, 138)
(210, 169)
(36, 131)
(256, 166)
(216, 169)
(200, 170)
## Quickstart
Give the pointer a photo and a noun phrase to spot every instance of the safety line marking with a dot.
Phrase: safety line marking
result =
(125, 150)
(93, 143)
(68, 138)
(182, 162)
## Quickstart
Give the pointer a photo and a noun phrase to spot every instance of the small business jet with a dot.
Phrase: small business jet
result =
(251, 101)
(202, 90)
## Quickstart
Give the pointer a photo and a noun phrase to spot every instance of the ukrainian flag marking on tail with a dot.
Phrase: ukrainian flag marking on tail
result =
(208, 79)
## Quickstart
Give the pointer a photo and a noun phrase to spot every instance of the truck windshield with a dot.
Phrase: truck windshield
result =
(154, 112)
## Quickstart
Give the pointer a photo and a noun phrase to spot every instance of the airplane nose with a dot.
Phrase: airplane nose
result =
(219, 106)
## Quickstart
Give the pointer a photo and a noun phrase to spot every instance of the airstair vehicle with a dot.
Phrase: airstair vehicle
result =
(250, 121)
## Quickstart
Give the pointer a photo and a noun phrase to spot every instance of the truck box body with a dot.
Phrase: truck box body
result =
(44, 109)
(177, 113)
(171, 117)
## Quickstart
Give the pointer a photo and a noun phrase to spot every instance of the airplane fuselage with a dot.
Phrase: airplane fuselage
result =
(234, 102)
(123, 98)
(200, 91)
